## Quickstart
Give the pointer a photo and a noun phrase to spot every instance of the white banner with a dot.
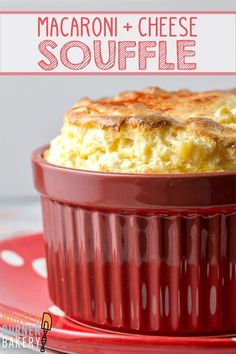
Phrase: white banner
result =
(117, 43)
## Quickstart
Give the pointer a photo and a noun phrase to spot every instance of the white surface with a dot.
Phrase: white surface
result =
(18, 217)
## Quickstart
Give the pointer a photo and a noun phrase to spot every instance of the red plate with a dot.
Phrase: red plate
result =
(24, 296)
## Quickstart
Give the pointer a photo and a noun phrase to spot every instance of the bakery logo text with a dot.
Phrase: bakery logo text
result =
(16, 332)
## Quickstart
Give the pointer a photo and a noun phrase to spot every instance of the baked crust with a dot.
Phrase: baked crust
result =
(154, 107)
(150, 131)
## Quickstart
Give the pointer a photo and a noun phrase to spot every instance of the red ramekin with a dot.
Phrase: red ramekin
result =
(148, 254)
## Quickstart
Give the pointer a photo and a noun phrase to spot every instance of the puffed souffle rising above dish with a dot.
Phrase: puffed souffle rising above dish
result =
(139, 212)
(150, 131)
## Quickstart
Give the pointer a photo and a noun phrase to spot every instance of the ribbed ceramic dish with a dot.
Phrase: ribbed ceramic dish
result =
(149, 254)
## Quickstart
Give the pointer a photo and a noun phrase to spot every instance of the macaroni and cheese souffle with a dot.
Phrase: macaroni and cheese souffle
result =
(150, 131)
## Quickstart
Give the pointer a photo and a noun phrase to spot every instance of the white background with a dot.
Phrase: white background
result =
(215, 43)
